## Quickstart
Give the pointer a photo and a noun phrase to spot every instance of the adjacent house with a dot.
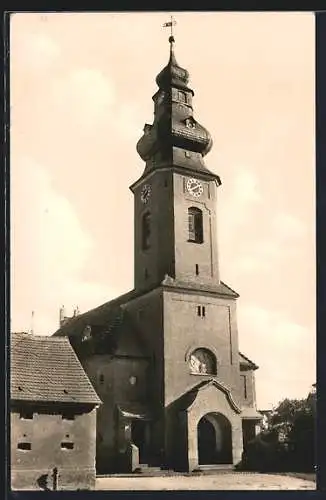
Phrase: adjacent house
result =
(53, 416)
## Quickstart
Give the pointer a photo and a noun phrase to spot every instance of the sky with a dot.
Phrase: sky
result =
(80, 90)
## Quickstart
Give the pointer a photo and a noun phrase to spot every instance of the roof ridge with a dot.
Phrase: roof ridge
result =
(33, 336)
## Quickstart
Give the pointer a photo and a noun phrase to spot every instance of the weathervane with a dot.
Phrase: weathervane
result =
(170, 25)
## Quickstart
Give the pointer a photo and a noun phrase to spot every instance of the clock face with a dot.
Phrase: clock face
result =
(145, 193)
(195, 187)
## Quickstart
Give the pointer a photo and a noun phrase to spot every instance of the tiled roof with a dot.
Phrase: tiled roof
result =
(46, 369)
(105, 313)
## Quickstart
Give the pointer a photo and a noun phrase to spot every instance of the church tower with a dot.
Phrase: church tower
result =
(175, 198)
(164, 357)
(176, 251)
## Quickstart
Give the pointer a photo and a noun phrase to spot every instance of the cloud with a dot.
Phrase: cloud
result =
(89, 98)
(33, 51)
(278, 243)
(275, 342)
(85, 96)
(239, 201)
(287, 227)
(50, 249)
(56, 229)
(245, 187)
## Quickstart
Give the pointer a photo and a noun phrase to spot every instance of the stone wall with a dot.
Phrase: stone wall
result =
(188, 254)
(185, 331)
(47, 433)
(210, 401)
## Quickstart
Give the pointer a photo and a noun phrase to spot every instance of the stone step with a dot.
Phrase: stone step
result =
(207, 468)
(148, 468)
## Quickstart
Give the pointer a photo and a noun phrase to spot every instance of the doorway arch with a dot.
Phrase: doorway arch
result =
(214, 439)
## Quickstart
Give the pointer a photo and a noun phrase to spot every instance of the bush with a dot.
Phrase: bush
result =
(266, 454)
(288, 445)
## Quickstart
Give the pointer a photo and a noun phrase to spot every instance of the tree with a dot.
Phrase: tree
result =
(288, 442)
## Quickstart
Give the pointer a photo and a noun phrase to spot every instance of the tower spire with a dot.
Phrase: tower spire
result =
(175, 137)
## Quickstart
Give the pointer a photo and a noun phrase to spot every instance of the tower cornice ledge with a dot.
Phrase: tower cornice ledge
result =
(204, 174)
(220, 289)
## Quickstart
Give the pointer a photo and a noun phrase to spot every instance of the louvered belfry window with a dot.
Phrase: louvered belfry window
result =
(195, 225)
(182, 97)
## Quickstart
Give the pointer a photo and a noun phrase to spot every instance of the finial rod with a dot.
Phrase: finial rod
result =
(170, 25)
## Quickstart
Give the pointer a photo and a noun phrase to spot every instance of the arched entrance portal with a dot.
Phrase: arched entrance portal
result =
(140, 437)
(214, 435)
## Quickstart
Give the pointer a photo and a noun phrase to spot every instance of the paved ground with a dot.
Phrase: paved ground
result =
(228, 481)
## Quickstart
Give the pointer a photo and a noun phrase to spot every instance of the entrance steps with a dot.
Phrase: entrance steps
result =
(148, 470)
(213, 468)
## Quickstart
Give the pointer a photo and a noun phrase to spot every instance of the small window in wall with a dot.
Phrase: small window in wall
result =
(201, 311)
(101, 378)
(26, 415)
(67, 445)
(195, 225)
(244, 385)
(146, 274)
(24, 446)
(197, 269)
(146, 230)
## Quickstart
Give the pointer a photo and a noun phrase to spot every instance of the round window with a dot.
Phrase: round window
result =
(132, 380)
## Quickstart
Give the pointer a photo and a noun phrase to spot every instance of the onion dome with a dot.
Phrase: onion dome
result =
(172, 75)
(175, 138)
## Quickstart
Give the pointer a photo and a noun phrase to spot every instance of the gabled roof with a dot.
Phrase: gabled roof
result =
(112, 330)
(108, 310)
(203, 384)
(46, 369)
(247, 363)
(104, 312)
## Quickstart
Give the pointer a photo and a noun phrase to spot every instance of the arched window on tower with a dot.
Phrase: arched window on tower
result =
(146, 230)
(202, 361)
(195, 225)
